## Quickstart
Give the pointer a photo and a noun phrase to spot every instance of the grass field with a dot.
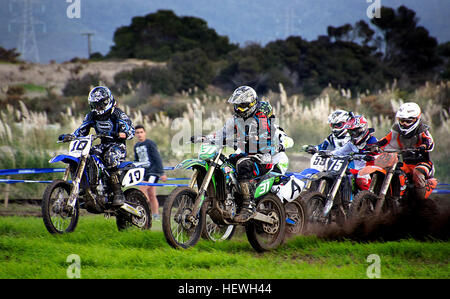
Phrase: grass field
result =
(27, 250)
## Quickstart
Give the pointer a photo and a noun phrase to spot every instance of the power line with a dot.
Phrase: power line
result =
(27, 44)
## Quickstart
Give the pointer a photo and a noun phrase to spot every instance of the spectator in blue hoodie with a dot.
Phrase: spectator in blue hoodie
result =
(145, 150)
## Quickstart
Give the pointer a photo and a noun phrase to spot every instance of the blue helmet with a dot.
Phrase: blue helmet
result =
(101, 100)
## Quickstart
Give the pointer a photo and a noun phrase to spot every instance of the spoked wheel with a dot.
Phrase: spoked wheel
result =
(58, 217)
(126, 221)
(265, 236)
(216, 232)
(363, 204)
(315, 204)
(296, 217)
(179, 231)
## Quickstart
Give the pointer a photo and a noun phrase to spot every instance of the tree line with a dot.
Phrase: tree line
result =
(358, 57)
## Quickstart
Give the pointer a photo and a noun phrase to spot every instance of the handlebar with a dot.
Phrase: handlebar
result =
(70, 137)
(352, 156)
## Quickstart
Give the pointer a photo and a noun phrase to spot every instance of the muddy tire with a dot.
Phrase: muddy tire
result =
(296, 212)
(263, 236)
(138, 200)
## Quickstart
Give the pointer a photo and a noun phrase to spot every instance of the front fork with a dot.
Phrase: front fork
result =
(384, 189)
(202, 190)
(76, 183)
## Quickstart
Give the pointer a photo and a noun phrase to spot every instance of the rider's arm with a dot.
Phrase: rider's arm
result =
(227, 131)
(85, 127)
(426, 141)
(347, 149)
(325, 144)
(385, 140)
(126, 129)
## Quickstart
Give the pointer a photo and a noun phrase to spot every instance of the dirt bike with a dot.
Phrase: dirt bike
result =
(219, 197)
(329, 201)
(389, 185)
(88, 189)
(290, 190)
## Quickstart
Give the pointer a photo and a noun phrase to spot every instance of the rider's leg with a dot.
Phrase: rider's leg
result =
(424, 183)
(246, 168)
(113, 156)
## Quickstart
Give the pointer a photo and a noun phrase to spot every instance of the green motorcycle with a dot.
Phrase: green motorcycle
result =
(218, 197)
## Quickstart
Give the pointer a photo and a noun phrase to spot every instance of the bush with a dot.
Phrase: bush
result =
(82, 86)
(158, 79)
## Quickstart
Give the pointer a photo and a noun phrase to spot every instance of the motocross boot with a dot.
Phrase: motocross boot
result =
(119, 198)
(248, 205)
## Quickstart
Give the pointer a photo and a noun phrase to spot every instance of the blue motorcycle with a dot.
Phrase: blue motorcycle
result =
(88, 189)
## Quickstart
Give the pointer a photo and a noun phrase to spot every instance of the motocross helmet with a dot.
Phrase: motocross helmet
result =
(358, 128)
(101, 100)
(244, 99)
(408, 117)
(337, 120)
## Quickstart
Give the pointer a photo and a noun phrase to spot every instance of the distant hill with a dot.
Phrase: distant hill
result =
(60, 38)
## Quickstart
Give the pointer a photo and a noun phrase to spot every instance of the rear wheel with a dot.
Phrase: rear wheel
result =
(58, 217)
(264, 236)
(137, 199)
(178, 230)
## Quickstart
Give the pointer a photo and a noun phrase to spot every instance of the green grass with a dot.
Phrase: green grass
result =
(27, 250)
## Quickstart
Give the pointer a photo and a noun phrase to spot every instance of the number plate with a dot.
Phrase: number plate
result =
(133, 176)
(207, 151)
(318, 162)
(335, 164)
(80, 147)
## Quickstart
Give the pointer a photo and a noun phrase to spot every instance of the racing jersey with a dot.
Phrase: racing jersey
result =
(351, 148)
(254, 135)
(331, 142)
(420, 139)
(110, 125)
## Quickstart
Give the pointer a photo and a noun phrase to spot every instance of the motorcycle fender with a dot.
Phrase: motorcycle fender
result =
(371, 169)
(321, 175)
(191, 162)
(65, 159)
(133, 177)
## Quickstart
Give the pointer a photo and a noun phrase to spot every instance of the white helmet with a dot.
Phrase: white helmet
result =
(244, 99)
(408, 117)
(337, 119)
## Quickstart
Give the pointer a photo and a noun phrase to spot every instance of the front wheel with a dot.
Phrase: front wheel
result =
(178, 230)
(137, 199)
(264, 236)
(363, 205)
(315, 205)
(58, 217)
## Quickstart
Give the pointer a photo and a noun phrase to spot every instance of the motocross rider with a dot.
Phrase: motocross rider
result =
(338, 137)
(108, 120)
(252, 128)
(361, 139)
(409, 132)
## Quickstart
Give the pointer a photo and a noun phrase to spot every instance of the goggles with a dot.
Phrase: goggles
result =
(245, 106)
(407, 121)
(337, 125)
(100, 105)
